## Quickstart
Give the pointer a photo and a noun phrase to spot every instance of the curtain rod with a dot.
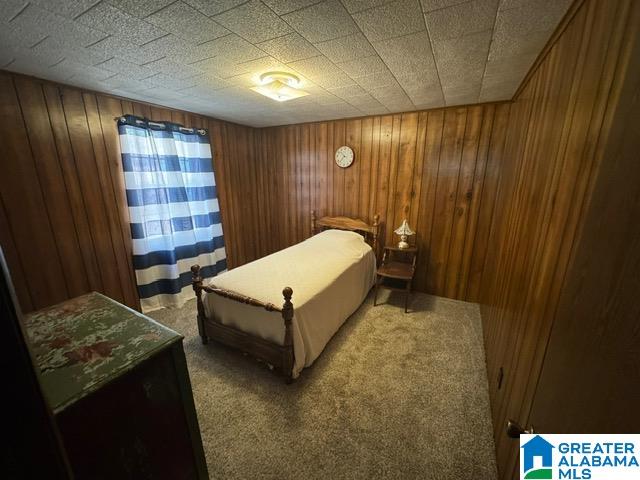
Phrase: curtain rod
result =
(201, 131)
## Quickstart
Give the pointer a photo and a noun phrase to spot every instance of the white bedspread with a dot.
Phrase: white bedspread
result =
(330, 274)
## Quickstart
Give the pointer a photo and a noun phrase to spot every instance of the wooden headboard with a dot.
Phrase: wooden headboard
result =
(369, 232)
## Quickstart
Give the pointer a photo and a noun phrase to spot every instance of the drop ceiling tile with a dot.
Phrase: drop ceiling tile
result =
(55, 48)
(177, 84)
(285, 6)
(321, 22)
(315, 89)
(169, 46)
(221, 67)
(433, 99)
(471, 88)
(80, 71)
(75, 35)
(499, 91)
(253, 21)
(162, 93)
(7, 56)
(205, 90)
(29, 58)
(391, 20)
(398, 104)
(363, 101)
(534, 16)
(462, 19)
(105, 49)
(80, 81)
(333, 80)
(363, 66)
(500, 74)
(232, 48)
(344, 109)
(381, 110)
(354, 6)
(538, 7)
(388, 92)
(213, 7)
(376, 80)
(421, 92)
(505, 46)
(462, 60)
(26, 64)
(327, 99)
(10, 8)
(109, 19)
(140, 8)
(266, 63)
(66, 8)
(346, 92)
(429, 5)
(121, 81)
(187, 23)
(322, 71)
(508, 68)
(161, 48)
(212, 82)
(289, 48)
(463, 98)
(112, 47)
(14, 35)
(38, 21)
(410, 55)
(346, 48)
(175, 69)
(119, 65)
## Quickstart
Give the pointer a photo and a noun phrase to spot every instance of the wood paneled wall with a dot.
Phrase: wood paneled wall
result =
(593, 350)
(559, 122)
(438, 168)
(64, 218)
(64, 224)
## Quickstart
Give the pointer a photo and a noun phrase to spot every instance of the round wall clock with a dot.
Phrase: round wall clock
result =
(344, 156)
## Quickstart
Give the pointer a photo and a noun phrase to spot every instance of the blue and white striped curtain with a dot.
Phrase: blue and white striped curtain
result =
(173, 206)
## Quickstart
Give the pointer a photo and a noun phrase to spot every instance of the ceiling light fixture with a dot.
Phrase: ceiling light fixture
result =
(279, 86)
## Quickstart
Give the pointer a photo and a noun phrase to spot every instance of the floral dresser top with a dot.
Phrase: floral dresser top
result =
(83, 343)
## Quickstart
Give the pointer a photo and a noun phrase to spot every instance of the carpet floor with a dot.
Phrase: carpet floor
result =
(393, 395)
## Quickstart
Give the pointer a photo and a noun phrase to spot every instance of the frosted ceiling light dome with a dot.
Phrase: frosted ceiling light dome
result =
(279, 86)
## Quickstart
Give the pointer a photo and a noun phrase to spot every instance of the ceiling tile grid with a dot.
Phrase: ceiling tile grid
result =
(353, 57)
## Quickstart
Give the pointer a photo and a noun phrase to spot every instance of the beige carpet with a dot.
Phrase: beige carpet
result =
(393, 395)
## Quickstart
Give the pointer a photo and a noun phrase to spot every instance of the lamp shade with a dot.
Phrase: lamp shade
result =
(404, 229)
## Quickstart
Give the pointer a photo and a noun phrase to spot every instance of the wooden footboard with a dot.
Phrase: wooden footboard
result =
(280, 356)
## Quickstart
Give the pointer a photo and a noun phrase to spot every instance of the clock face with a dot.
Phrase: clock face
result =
(344, 156)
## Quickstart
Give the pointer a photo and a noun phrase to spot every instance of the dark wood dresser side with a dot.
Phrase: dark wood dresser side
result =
(118, 385)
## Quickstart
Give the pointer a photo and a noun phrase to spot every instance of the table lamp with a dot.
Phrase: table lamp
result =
(404, 231)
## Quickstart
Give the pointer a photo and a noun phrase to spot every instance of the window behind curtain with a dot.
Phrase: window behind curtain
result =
(173, 208)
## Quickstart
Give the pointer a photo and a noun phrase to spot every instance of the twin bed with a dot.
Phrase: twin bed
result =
(326, 277)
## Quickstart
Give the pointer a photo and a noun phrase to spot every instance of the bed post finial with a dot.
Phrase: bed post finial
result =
(287, 315)
(313, 222)
(376, 228)
(196, 282)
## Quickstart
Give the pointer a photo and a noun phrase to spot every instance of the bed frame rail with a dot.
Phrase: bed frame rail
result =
(280, 356)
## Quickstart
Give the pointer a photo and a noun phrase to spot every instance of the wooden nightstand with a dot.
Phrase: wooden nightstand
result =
(396, 271)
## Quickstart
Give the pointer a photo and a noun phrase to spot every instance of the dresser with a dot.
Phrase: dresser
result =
(118, 386)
